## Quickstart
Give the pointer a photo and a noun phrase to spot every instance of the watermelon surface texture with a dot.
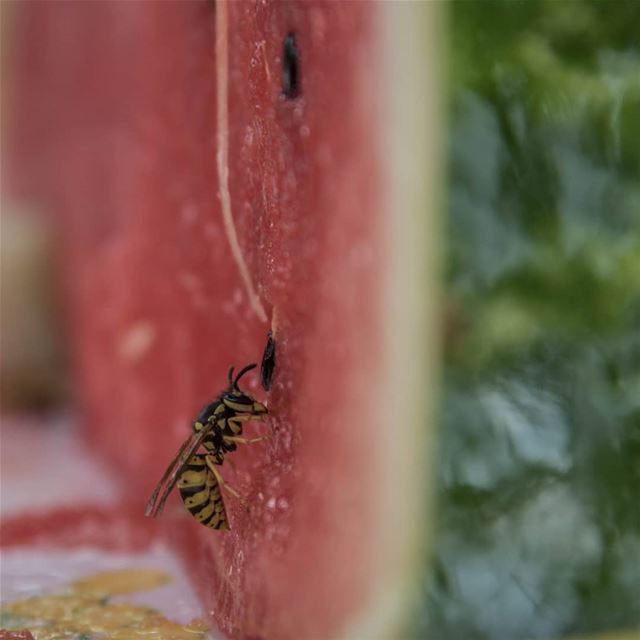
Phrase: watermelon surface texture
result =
(215, 171)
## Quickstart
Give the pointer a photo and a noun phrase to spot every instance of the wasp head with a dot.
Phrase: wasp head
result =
(238, 400)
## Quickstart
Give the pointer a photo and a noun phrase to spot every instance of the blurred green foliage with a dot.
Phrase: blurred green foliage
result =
(538, 528)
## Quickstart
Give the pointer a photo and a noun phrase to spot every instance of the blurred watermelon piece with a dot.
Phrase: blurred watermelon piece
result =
(15, 635)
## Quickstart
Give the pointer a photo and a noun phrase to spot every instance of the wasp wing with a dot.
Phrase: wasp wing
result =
(170, 468)
(156, 502)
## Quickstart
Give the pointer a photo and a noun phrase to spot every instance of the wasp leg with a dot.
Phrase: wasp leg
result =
(239, 440)
(221, 481)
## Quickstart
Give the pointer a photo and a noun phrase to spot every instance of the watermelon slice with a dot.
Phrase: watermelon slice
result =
(216, 171)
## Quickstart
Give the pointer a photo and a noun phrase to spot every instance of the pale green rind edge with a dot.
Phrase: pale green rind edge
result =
(412, 139)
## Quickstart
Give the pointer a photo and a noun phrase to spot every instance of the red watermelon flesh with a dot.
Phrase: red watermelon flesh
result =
(118, 134)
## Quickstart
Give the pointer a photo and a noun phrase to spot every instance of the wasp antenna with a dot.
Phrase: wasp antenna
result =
(242, 372)
(231, 383)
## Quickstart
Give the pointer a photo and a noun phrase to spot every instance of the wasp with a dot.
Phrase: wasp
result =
(218, 429)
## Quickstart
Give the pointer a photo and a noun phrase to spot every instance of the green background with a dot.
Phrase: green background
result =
(537, 532)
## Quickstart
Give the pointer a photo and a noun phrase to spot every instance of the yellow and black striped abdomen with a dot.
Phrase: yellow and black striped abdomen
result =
(200, 493)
